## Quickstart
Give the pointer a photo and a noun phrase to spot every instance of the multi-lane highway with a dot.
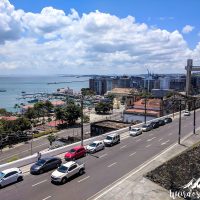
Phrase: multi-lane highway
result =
(111, 164)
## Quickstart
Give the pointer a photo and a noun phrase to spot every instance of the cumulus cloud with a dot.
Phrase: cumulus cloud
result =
(187, 29)
(55, 42)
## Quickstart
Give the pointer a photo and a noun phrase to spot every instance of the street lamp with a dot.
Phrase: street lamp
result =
(81, 120)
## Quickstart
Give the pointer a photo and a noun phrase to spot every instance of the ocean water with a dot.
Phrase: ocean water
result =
(33, 84)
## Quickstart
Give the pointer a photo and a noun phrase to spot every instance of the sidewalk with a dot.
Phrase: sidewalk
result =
(133, 186)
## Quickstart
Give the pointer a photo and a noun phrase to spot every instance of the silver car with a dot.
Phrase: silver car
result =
(95, 146)
(146, 127)
(9, 176)
(135, 131)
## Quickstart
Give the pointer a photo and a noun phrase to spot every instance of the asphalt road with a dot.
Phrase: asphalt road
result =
(22, 150)
(111, 164)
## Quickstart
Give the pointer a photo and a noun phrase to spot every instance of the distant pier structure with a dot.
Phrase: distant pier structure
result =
(189, 68)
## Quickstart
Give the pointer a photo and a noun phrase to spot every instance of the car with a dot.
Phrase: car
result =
(161, 122)
(155, 124)
(168, 120)
(95, 146)
(45, 164)
(135, 131)
(67, 170)
(112, 139)
(75, 153)
(10, 176)
(186, 113)
(146, 127)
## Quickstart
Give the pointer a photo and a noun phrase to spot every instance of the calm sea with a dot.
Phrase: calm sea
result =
(33, 84)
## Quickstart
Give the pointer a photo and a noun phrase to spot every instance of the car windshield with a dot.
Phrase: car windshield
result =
(40, 162)
(1, 175)
(134, 129)
(109, 138)
(62, 169)
(93, 145)
(72, 150)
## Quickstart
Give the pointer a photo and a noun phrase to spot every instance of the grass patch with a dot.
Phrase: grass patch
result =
(45, 133)
(13, 158)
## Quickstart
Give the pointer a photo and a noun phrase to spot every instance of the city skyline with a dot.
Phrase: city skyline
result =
(107, 37)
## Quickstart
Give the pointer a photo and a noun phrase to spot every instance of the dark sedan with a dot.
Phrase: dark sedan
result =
(45, 164)
(161, 122)
(155, 124)
(168, 120)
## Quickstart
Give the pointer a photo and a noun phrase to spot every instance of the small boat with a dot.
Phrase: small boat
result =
(2, 90)
(33, 101)
(23, 92)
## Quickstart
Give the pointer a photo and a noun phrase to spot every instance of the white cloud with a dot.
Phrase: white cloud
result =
(55, 42)
(187, 29)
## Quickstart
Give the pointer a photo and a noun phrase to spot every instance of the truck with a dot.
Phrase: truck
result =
(66, 171)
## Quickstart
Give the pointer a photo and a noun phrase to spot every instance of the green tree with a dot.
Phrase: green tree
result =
(60, 114)
(103, 107)
(4, 112)
(87, 92)
(72, 113)
(51, 137)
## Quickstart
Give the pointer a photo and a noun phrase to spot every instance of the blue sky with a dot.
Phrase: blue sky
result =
(105, 36)
(170, 14)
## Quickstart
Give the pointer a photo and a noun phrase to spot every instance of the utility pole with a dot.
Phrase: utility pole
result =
(194, 122)
(179, 131)
(173, 103)
(81, 120)
(145, 109)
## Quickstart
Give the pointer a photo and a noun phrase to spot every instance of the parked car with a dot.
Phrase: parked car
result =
(75, 153)
(135, 131)
(146, 127)
(186, 113)
(112, 139)
(95, 146)
(45, 164)
(9, 176)
(155, 124)
(67, 170)
(161, 122)
(168, 120)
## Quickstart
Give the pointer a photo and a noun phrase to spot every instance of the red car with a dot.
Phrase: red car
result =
(75, 153)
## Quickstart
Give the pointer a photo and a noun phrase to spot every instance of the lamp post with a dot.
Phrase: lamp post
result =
(81, 120)
(179, 131)
(194, 122)
(145, 109)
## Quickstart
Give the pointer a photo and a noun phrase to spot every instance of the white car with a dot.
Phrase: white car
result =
(9, 176)
(135, 131)
(112, 139)
(67, 170)
(186, 113)
(95, 146)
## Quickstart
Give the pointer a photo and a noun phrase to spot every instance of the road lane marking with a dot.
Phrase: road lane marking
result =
(165, 142)
(112, 164)
(123, 147)
(151, 139)
(103, 155)
(132, 154)
(148, 145)
(46, 198)
(138, 140)
(83, 179)
(160, 139)
(39, 183)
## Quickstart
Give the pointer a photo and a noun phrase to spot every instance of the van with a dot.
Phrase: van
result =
(112, 139)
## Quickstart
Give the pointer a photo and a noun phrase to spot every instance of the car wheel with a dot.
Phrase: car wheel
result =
(41, 171)
(81, 171)
(84, 154)
(103, 147)
(58, 165)
(64, 180)
(20, 178)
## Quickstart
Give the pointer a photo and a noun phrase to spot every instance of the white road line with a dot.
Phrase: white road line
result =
(123, 147)
(132, 154)
(148, 145)
(112, 164)
(83, 179)
(151, 139)
(165, 142)
(39, 183)
(138, 140)
(46, 198)
(103, 155)
(160, 139)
